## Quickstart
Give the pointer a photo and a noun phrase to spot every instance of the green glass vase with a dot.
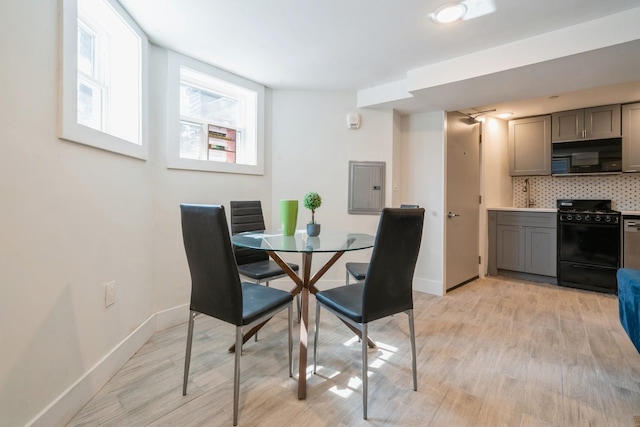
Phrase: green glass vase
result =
(289, 216)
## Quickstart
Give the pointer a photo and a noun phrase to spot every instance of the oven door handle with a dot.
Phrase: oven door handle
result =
(589, 267)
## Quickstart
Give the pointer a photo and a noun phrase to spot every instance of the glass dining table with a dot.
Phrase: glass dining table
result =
(329, 241)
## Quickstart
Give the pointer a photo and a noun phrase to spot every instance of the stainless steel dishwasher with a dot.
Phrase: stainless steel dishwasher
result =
(631, 242)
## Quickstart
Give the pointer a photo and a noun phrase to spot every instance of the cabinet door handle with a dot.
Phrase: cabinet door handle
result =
(452, 215)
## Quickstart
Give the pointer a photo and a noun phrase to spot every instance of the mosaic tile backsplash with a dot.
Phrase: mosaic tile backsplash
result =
(623, 190)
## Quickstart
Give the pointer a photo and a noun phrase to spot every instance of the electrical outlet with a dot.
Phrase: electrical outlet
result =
(109, 293)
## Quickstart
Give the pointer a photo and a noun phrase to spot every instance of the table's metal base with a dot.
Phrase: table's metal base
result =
(304, 286)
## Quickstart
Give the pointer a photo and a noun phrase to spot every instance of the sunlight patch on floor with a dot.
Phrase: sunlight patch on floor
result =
(325, 372)
(351, 341)
(354, 384)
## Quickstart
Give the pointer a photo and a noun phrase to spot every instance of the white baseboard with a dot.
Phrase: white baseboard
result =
(172, 317)
(426, 286)
(69, 402)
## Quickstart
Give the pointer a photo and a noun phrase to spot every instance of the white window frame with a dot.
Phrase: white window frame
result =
(70, 129)
(174, 161)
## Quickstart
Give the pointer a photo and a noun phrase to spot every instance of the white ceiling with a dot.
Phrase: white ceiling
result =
(354, 45)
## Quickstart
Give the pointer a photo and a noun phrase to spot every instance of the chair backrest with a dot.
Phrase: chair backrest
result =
(215, 284)
(388, 285)
(247, 216)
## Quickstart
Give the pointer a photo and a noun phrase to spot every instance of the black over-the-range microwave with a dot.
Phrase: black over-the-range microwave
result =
(601, 156)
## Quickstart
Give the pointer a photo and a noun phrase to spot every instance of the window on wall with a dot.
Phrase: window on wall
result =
(216, 119)
(103, 77)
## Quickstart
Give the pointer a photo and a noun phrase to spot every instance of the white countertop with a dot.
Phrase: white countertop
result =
(509, 208)
(523, 209)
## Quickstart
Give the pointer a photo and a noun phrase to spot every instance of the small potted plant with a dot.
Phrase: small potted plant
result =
(312, 201)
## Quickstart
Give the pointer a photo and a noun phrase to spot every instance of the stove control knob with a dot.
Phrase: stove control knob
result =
(607, 219)
(578, 217)
(587, 217)
(569, 217)
(598, 218)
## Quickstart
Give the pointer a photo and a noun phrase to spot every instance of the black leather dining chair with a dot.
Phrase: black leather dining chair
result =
(358, 270)
(253, 264)
(386, 290)
(216, 289)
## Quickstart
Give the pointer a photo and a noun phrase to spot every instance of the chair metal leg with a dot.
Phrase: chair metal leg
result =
(290, 328)
(299, 307)
(346, 280)
(412, 334)
(255, 337)
(187, 357)
(365, 378)
(315, 338)
(236, 375)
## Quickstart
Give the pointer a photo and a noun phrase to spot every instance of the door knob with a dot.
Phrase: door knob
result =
(451, 215)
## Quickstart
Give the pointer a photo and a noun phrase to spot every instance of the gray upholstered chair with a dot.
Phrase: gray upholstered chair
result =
(387, 288)
(358, 270)
(216, 289)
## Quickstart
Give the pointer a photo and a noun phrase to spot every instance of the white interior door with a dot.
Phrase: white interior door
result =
(462, 200)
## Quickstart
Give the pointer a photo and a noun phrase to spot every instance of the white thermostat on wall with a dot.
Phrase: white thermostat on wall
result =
(353, 120)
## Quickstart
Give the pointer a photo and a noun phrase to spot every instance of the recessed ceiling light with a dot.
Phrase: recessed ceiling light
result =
(505, 115)
(448, 13)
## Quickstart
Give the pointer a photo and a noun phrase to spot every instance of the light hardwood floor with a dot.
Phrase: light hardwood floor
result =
(495, 352)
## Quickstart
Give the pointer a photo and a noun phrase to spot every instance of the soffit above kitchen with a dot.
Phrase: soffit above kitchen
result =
(363, 46)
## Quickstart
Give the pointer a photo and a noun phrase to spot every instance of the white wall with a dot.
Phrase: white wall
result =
(495, 182)
(74, 218)
(312, 147)
(422, 175)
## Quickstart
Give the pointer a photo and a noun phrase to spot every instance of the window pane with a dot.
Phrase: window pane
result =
(89, 105)
(86, 52)
(208, 106)
(226, 116)
(191, 141)
(109, 55)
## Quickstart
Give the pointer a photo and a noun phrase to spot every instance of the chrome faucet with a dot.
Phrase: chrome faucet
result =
(527, 189)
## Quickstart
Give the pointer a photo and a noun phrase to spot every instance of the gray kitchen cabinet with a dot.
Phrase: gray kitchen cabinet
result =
(631, 137)
(510, 250)
(586, 123)
(530, 146)
(540, 251)
(524, 242)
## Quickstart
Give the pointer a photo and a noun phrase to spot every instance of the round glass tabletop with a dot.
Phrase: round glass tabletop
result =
(327, 241)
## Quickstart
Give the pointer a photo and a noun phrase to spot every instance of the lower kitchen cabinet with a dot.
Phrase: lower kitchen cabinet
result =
(510, 249)
(524, 242)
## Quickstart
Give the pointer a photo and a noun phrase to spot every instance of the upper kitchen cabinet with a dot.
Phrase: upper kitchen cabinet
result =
(588, 123)
(631, 137)
(530, 146)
